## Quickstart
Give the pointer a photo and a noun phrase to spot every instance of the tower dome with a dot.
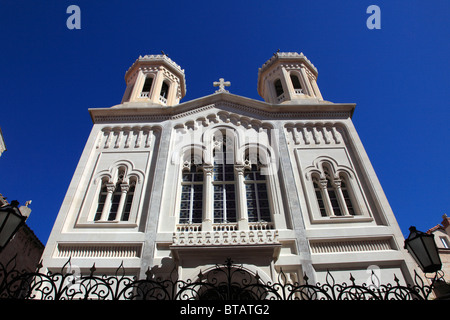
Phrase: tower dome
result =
(155, 79)
(288, 77)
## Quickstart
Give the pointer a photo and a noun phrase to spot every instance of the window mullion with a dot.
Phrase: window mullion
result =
(258, 212)
(191, 201)
(224, 202)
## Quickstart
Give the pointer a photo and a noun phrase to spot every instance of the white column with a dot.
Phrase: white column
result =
(123, 196)
(341, 198)
(107, 206)
(326, 197)
(241, 199)
(207, 199)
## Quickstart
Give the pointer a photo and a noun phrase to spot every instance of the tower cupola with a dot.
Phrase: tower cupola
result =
(288, 77)
(155, 79)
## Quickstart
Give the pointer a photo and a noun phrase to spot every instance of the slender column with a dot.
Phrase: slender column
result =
(123, 196)
(241, 198)
(326, 197)
(340, 197)
(207, 199)
(110, 189)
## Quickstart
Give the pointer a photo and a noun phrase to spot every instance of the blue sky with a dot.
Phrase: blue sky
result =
(398, 76)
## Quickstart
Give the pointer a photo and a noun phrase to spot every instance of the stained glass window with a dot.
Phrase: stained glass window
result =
(319, 197)
(101, 202)
(256, 194)
(128, 202)
(347, 199)
(223, 181)
(191, 205)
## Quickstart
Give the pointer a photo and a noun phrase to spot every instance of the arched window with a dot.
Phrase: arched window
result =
(101, 200)
(278, 87)
(256, 193)
(347, 197)
(333, 193)
(116, 195)
(164, 92)
(223, 180)
(115, 199)
(320, 200)
(296, 84)
(128, 201)
(147, 87)
(191, 205)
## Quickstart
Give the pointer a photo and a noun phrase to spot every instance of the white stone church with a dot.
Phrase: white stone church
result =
(280, 184)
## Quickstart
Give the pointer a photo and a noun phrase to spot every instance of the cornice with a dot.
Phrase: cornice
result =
(143, 112)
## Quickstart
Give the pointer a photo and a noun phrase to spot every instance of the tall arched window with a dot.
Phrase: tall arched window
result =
(333, 193)
(147, 87)
(278, 87)
(164, 92)
(223, 180)
(101, 200)
(347, 198)
(191, 205)
(296, 84)
(117, 194)
(256, 193)
(115, 199)
(128, 201)
(320, 200)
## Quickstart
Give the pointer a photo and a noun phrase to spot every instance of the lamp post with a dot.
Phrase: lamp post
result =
(10, 221)
(422, 247)
(424, 250)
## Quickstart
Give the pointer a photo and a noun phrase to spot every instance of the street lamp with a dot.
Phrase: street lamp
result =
(10, 221)
(422, 247)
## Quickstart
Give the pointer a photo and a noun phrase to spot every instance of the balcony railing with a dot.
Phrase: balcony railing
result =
(225, 234)
(281, 97)
(162, 99)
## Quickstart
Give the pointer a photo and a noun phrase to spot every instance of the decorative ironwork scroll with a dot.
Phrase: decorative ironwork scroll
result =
(224, 282)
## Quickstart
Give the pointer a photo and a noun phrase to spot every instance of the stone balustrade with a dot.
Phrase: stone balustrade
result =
(233, 237)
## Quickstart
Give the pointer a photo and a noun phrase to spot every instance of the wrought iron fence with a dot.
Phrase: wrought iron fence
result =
(225, 282)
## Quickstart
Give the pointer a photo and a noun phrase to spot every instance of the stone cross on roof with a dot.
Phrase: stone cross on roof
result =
(221, 84)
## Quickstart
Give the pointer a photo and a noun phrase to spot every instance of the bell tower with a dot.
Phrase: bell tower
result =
(156, 80)
(288, 77)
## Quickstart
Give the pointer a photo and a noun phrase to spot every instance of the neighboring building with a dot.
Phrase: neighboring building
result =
(24, 250)
(441, 234)
(280, 184)
(2, 143)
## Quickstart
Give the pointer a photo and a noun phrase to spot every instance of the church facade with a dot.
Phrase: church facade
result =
(277, 185)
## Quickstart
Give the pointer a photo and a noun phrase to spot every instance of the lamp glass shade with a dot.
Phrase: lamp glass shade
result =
(424, 250)
(10, 221)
